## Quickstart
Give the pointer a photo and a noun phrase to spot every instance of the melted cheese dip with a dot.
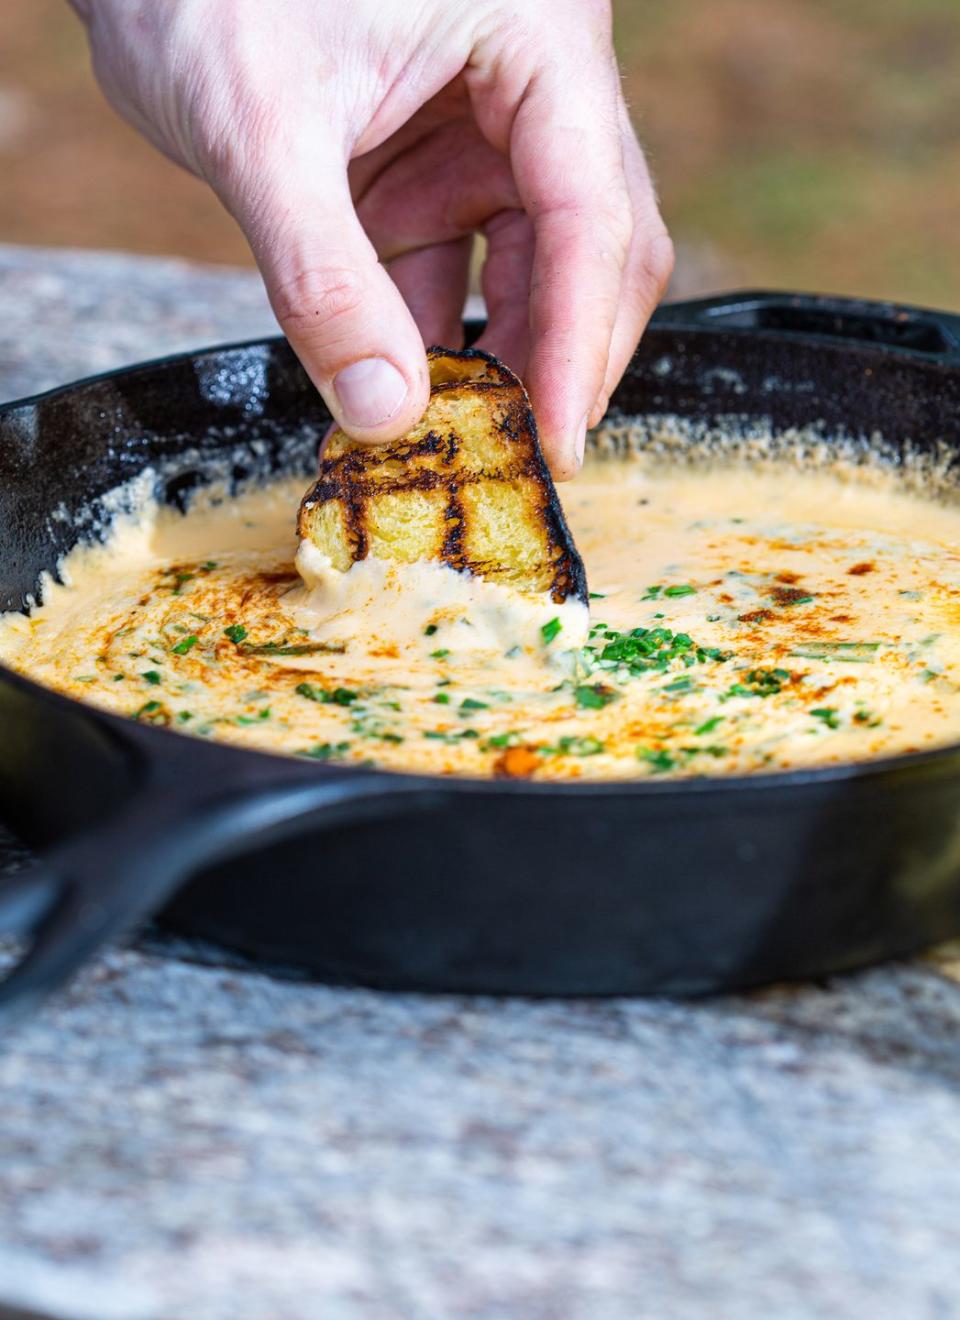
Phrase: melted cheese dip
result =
(740, 622)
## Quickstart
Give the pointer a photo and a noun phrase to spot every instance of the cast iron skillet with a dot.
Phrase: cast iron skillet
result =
(414, 882)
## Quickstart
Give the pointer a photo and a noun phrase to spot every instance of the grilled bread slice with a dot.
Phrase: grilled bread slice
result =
(467, 487)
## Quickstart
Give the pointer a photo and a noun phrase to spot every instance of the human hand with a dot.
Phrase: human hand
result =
(361, 144)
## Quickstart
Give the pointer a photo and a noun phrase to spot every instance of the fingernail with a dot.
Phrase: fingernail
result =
(580, 443)
(369, 392)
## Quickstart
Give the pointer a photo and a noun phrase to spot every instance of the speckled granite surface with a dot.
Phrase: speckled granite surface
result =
(185, 1140)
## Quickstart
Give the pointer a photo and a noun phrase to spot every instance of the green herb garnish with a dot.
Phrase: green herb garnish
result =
(644, 650)
(296, 648)
(572, 745)
(430, 629)
(236, 632)
(339, 696)
(153, 712)
(680, 685)
(860, 652)
(659, 761)
(550, 630)
(594, 697)
(683, 590)
(828, 715)
(758, 683)
(324, 751)
(501, 740)
(186, 645)
(152, 677)
(254, 719)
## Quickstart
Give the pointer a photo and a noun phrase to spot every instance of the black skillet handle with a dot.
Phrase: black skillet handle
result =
(914, 330)
(102, 884)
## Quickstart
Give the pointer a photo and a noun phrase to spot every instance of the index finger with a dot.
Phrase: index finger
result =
(566, 152)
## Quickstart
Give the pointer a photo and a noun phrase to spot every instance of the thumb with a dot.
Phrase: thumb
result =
(340, 310)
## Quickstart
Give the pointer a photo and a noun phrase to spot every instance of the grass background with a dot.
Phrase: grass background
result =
(812, 144)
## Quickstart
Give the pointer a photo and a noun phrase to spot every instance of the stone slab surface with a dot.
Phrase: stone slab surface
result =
(180, 1139)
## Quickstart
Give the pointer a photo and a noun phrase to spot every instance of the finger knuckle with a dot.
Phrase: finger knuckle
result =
(657, 261)
(318, 296)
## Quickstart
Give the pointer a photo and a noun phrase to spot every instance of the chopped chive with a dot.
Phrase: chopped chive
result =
(861, 652)
(500, 740)
(469, 703)
(151, 676)
(759, 683)
(828, 715)
(593, 698)
(708, 726)
(339, 696)
(659, 760)
(296, 648)
(236, 632)
(550, 630)
(868, 718)
(683, 590)
(682, 684)
(442, 698)
(324, 751)
(572, 745)
(186, 645)
(598, 595)
(310, 692)
(441, 654)
(430, 629)
(254, 719)
(149, 711)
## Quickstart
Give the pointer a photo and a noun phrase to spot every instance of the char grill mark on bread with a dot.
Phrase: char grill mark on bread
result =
(468, 487)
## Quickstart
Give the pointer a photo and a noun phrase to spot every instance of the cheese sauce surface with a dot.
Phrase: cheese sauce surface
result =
(740, 621)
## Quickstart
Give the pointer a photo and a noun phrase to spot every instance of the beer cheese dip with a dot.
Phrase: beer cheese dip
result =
(740, 621)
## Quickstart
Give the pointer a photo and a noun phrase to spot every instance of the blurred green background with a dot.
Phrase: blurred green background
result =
(812, 144)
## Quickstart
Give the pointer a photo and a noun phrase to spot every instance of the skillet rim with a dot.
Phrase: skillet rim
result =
(933, 761)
